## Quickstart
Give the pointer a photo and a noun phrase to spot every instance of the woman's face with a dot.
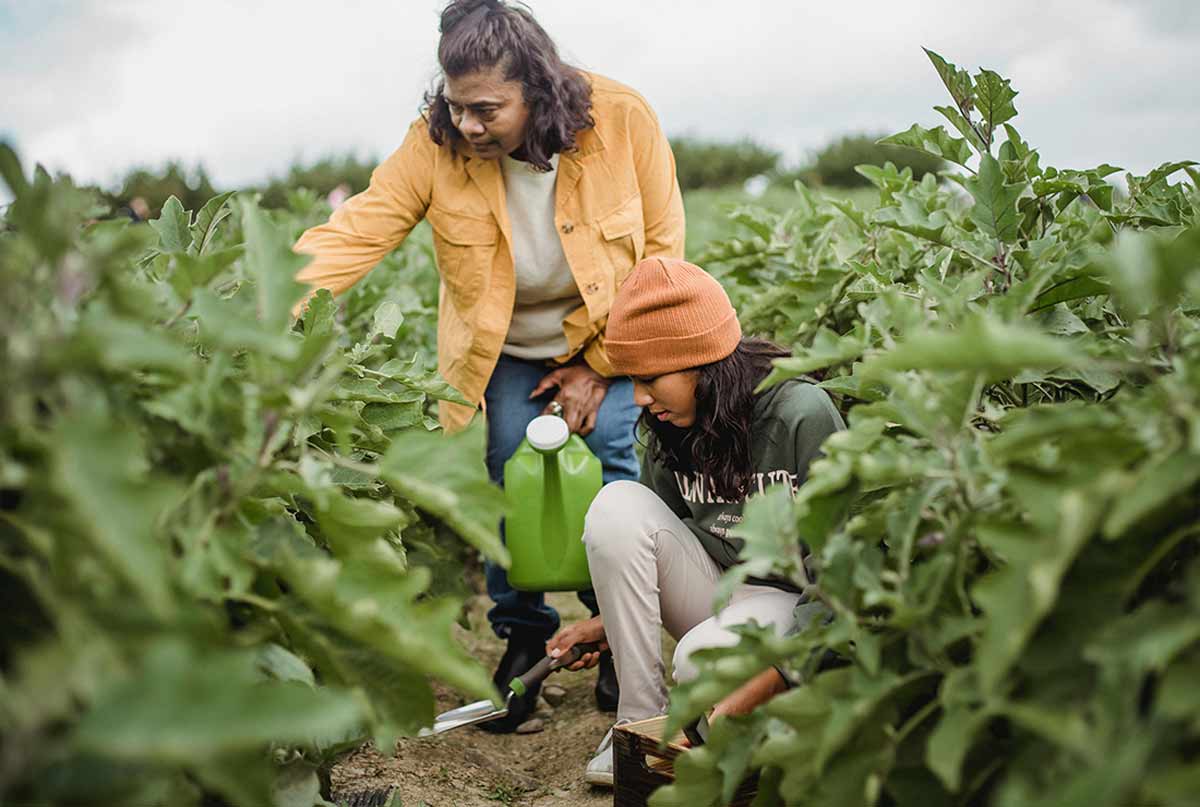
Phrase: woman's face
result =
(488, 110)
(670, 397)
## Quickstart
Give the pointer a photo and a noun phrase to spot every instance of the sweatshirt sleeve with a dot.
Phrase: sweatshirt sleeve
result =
(372, 223)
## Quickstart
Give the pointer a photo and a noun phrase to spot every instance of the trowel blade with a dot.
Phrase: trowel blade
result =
(469, 715)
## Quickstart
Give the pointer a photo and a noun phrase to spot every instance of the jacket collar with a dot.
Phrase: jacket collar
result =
(488, 178)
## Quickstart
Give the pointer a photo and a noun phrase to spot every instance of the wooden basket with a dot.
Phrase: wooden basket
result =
(640, 767)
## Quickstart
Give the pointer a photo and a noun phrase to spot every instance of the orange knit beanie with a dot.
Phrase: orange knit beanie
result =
(669, 315)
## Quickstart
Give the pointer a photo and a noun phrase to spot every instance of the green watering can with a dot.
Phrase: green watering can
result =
(550, 482)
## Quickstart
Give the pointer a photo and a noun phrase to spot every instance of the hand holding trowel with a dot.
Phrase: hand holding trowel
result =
(483, 711)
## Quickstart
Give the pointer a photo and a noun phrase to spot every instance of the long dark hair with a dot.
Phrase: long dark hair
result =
(718, 443)
(481, 34)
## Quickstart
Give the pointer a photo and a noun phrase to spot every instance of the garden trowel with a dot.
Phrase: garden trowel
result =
(483, 711)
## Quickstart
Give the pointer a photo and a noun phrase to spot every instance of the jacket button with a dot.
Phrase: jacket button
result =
(568, 228)
(591, 288)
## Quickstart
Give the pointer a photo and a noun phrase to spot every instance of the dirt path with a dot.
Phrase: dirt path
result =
(472, 768)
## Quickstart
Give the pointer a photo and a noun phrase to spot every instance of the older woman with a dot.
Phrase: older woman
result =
(544, 185)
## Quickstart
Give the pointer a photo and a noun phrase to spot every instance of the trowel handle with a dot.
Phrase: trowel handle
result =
(538, 672)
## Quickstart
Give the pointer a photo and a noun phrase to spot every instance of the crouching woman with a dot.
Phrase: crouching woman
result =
(658, 548)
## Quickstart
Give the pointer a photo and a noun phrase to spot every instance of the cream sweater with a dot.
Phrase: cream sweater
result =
(546, 289)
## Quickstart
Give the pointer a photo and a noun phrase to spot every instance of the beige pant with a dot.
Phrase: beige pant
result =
(650, 572)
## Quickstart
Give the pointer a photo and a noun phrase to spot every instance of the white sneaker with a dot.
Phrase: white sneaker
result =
(600, 770)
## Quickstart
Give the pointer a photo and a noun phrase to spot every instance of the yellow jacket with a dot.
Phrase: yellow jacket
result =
(616, 201)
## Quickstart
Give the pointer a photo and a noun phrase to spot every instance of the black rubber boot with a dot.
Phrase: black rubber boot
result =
(607, 690)
(522, 653)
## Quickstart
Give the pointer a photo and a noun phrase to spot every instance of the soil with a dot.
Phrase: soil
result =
(468, 767)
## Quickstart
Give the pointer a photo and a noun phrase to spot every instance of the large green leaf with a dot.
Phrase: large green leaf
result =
(458, 492)
(957, 80)
(227, 708)
(1164, 481)
(231, 323)
(827, 350)
(981, 345)
(273, 265)
(936, 141)
(995, 209)
(952, 740)
(117, 343)
(204, 228)
(994, 98)
(172, 226)
(380, 613)
(1068, 289)
(963, 125)
(1016, 597)
(101, 472)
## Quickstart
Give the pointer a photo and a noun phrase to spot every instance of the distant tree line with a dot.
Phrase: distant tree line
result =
(699, 164)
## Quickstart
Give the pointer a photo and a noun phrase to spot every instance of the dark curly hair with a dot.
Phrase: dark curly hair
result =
(718, 443)
(482, 34)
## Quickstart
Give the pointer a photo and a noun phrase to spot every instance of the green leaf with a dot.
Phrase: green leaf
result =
(1147, 640)
(909, 215)
(1072, 288)
(192, 271)
(204, 229)
(1164, 480)
(770, 540)
(1150, 271)
(283, 665)
(172, 228)
(960, 122)
(11, 171)
(231, 323)
(381, 636)
(388, 416)
(1179, 697)
(994, 98)
(319, 331)
(1061, 321)
(995, 209)
(951, 741)
(980, 345)
(957, 80)
(937, 142)
(121, 344)
(273, 266)
(431, 384)
(228, 708)
(827, 350)
(386, 321)
(1016, 597)
(101, 472)
(460, 493)
(1162, 172)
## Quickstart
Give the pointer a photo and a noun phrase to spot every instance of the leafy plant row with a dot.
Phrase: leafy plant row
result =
(1007, 534)
(217, 531)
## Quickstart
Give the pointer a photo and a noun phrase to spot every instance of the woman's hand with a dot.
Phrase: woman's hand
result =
(589, 630)
(581, 390)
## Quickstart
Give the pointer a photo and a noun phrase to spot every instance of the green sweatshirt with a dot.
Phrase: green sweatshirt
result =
(791, 420)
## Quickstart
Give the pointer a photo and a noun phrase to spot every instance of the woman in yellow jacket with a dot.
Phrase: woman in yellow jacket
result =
(544, 186)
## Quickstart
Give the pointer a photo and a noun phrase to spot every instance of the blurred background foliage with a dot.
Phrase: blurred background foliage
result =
(719, 169)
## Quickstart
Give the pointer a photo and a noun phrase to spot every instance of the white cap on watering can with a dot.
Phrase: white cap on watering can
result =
(547, 433)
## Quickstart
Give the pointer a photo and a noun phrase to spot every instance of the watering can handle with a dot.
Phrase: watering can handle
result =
(538, 672)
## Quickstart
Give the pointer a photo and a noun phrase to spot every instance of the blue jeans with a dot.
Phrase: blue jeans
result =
(509, 410)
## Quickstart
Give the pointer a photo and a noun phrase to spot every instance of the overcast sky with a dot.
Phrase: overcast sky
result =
(247, 86)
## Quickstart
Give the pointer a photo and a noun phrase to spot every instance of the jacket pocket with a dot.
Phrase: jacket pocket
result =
(465, 246)
(624, 233)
